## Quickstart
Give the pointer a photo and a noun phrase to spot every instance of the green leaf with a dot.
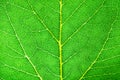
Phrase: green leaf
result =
(59, 40)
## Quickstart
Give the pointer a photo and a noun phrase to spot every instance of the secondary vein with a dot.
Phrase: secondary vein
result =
(100, 52)
(25, 54)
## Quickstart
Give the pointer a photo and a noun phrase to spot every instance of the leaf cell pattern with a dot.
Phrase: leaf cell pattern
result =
(59, 40)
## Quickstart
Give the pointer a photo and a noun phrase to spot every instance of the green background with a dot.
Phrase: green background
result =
(30, 29)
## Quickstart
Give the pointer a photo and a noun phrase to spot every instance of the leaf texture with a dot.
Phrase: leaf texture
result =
(59, 40)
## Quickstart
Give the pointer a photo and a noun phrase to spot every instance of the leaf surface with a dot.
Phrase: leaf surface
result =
(59, 40)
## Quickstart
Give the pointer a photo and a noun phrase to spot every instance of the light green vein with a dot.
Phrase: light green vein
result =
(100, 52)
(60, 42)
(41, 21)
(25, 54)
(74, 11)
(96, 11)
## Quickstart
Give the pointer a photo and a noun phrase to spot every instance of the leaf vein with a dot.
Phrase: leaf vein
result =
(74, 11)
(100, 52)
(41, 21)
(25, 54)
(96, 11)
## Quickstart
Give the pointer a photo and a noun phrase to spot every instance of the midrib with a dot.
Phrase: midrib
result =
(60, 42)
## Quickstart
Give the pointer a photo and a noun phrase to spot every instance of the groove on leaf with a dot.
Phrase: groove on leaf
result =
(108, 74)
(19, 70)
